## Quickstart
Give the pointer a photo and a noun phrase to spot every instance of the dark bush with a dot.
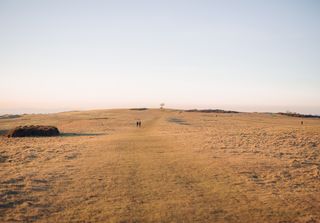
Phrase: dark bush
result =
(33, 131)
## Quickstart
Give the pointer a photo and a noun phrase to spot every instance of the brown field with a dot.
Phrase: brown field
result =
(179, 167)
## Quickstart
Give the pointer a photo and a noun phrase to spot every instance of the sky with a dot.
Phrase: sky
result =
(249, 55)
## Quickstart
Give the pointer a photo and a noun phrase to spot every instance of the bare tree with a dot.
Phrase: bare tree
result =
(162, 105)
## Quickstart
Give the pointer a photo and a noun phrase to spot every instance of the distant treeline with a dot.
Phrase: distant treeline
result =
(211, 111)
(297, 115)
(9, 116)
(138, 109)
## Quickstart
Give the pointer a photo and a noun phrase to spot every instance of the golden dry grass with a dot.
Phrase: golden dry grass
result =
(179, 167)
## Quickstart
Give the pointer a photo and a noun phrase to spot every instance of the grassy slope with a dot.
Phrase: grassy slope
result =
(179, 167)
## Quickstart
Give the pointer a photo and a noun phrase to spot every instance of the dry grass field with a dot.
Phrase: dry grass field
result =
(178, 167)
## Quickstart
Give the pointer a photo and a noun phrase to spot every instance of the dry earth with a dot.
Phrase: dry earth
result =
(179, 167)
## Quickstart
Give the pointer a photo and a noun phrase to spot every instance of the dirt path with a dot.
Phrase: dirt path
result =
(137, 177)
(142, 176)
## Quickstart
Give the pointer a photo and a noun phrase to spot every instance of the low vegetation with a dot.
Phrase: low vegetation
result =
(9, 116)
(33, 131)
(138, 109)
(294, 114)
(211, 111)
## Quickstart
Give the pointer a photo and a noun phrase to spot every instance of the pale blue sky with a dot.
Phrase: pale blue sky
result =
(242, 55)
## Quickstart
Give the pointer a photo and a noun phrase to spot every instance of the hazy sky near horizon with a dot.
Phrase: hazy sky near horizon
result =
(74, 54)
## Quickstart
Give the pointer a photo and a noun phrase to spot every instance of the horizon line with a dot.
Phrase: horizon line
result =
(57, 111)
